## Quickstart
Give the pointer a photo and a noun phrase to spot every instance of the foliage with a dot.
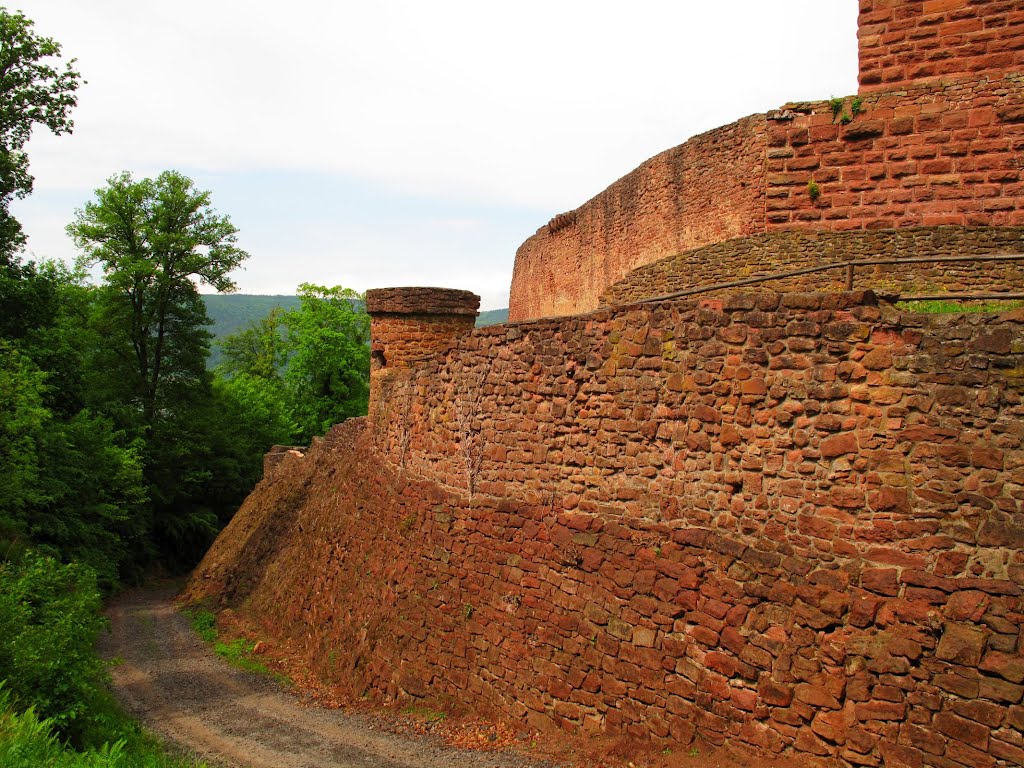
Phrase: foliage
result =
(813, 190)
(153, 238)
(34, 90)
(328, 374)
(49, 622)
(258, 351)
(950, 306)
(231, 313)
(259, 409)
(22, 419)
(28, 297)
(70, 487)
(311, 378)
(28, 742)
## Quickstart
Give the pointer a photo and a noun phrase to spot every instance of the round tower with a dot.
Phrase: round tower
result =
(408, 325)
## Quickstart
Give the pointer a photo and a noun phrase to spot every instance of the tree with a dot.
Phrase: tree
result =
(259, 350)
(328, 372)
(73, 484)
(33, 91)
(306, 369)
(154, 239)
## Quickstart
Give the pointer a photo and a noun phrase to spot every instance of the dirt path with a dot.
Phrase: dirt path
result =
(172, 682)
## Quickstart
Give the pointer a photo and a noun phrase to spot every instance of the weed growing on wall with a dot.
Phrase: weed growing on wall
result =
(950, 306)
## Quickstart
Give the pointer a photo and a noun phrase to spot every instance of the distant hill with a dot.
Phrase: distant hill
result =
(233, 312)
(492, 317)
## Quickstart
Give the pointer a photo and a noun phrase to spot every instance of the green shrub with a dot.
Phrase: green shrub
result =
(28, 742)
(49, 621)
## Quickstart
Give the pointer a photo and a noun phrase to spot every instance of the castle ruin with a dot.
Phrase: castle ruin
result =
(790, 518)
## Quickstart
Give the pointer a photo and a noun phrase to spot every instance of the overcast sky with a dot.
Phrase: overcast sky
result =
(373, 144)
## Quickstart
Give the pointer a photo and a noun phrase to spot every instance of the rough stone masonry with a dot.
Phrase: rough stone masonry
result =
(935, 137)
(792, 520)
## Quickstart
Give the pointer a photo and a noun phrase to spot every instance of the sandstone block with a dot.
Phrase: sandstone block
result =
(881, 710)
(961, 644)
(838, 445)
(962, 729)
(774, 693)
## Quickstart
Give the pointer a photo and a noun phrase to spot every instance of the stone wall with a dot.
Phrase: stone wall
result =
(709, 189)
(792, 521)
(936, 137)
(944, 153)
(272, 459)
(785, 251)
(907, 41)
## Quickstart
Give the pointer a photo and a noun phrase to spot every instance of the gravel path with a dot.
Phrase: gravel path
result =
(172, 682)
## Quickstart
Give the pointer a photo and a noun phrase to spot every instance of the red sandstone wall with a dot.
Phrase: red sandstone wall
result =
(784, 251)
(793, 522)
(904, 42)
(706, 190)
(935, 154)
(941, 154)
(937, 137)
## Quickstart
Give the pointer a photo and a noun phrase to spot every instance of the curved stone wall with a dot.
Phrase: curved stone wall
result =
(944, 153)
(709, 189)
(783, 251)
(905, 42)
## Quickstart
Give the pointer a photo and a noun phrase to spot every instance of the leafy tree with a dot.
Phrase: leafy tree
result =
(314, 375)
(259, 351)
(22, 420)
(34, 90)
(260, 409)
(328, 373)
(155, 240)
(71, 487)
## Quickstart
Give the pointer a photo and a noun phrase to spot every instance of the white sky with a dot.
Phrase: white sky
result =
(371, 144)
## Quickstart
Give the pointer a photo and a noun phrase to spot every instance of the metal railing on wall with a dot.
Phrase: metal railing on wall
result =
(850, 267)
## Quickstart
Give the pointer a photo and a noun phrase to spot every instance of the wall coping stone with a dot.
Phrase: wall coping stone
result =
(421, 301)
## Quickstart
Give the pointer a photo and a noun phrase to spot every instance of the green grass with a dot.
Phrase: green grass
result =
(425, 713)
(204, 623)
(949, 306)
(238, 652)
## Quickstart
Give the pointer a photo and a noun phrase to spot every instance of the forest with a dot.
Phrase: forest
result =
(122, 453)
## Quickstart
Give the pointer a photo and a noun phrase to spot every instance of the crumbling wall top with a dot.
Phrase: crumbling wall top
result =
(422, 301)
